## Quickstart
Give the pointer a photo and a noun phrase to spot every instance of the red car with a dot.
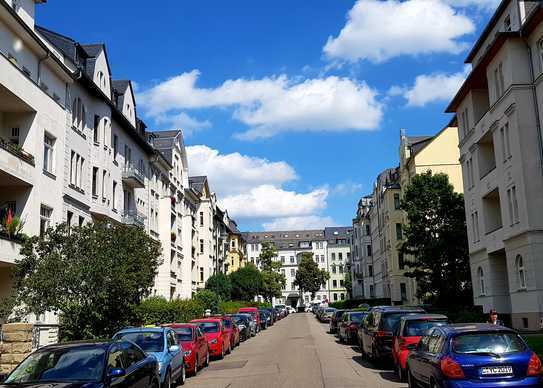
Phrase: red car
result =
(254, 312)
(218, 339)
(409, 331)
(231, 327)
(194, 344)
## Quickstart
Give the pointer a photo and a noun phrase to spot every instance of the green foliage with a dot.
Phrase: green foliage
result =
(310, 277)
(246, 283)
(355, 303)
(92, 275)
(535, 342)
(157, 310)
(436, 240)
(221, 285)
(233, 306)
(272, 280)
(208, 299)
(349, 284)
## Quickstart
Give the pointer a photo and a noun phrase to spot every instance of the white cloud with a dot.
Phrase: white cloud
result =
(233, 173)
(489, 5)
(182, 121)
(346, 188)
(267, 201)
(434, 87)
(380, 30)
(272, 105)
(299, 223)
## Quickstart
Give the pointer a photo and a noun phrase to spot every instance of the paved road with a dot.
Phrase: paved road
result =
(295, 352)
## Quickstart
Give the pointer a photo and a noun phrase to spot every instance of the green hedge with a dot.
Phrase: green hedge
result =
(233, 306)
(157, 310)
(352, 303)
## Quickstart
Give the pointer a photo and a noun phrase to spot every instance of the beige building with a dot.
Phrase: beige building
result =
(499, 109)
(236, 257)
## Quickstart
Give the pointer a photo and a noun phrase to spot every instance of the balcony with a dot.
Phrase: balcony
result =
(9, 250)
(133, 217)
(133, 177)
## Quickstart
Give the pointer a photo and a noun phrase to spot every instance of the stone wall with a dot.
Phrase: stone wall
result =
(15, 346)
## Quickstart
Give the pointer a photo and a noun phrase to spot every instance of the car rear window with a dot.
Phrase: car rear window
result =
(227, 323)
(149, 341)
(419, 328)
(390, 321)
(183, 333)
(484, 343)
(209, 327)
(357, 317)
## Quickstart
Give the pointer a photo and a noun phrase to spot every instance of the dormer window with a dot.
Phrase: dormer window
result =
(101, 80)
(507, 24)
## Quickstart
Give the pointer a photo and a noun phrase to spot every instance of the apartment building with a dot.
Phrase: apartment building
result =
(72, 149)
(290, 246)
(498, 109)
(361, 248)
(236, 257)
(339, 260)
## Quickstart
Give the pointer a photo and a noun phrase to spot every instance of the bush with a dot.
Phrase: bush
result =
(233, 306)
(209, 300)
(221, 285)
(157, 310)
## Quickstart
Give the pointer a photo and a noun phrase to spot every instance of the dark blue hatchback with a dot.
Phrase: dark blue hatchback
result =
(473, 355)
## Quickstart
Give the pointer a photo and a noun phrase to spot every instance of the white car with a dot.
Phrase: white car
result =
(291, 309)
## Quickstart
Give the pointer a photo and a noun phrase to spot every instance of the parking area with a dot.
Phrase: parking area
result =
(296, 352)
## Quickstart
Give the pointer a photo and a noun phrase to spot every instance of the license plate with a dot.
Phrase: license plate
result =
(497, 370)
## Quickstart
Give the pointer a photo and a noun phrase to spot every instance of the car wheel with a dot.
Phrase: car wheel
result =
(400, 372)
(222, 352)
(168, 380)
(340, 337)
(411, 382)
(183, 376)
(207, 358)
(196, 366)
(229, 350)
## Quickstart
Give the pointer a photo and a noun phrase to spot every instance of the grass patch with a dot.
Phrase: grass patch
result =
(535, 342)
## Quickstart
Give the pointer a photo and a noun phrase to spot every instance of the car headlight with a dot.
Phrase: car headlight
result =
(241, 327)
(159, 366)
(213, 341)
(187, 353)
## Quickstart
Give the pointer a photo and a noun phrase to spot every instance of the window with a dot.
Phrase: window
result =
(396, 201)
(340, 256)
(322, 258)
(115, 146)
(78, 114)
(342, 296)
(507, 23)
(292, 272)
(372, 291)
(48, 152)
(81, 220)
(368, 248)
(403, 292)
(521, 274)
(370, 270)
(292, 286)
(292, 259)
(282, 259)
(201, 246)
(399, 235)
(201, 273)
(340, 268)
(475, 226)
(469, 168)
(333, 256)
(481, 279)
(502, 81)
(95, 181)
(45, 218)
(401, 260)
(368, 231)
(114, 194)
(104, 178)
(499, 83)
(513, 205)
(334, 270)
(69, 218)
(335, 297)
(201, 218)
(334, 283)
(96, 129)
(283, 271)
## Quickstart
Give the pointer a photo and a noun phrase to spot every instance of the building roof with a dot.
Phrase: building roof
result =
(120, 85)
(417, 143)
(389, 178)
(197, 183)
(164, 141)
(338, 235)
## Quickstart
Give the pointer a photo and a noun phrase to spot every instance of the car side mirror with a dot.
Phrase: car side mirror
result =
(412, 347)
(116, 372)
(173, 348)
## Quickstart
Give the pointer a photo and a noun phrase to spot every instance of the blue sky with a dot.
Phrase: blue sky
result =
(290, 107)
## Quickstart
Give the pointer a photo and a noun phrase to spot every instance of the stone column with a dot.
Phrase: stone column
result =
(16, 345)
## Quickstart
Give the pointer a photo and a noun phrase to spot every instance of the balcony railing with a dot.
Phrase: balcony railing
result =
(133, 217)
(17, 151)
(133, 176)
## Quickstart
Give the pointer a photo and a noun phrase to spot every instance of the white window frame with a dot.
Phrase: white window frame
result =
(521, 272)
(481, 279)
(49, 152)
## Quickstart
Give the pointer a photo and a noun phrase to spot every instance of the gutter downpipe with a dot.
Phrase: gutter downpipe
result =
(534, 93)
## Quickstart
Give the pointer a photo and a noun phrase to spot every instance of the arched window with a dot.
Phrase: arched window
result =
(78, 114)
(481, 278)
(101, 80)
(521, 273)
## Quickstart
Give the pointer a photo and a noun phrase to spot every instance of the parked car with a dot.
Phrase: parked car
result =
(254, 312)
(409, 332)
(161, 343)
(349, 324)
(217, 337)
(244, 325)
(334, 320)
(86, 364)
(265, 319)
(291, 309)
(252, 323)
(194, 344)
(273, 314)
(327, 314)
(233, 331)
(376, 332)
(473, 355)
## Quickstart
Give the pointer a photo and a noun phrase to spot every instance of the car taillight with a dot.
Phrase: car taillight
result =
(353, 327)
(534, 366)
(451, 368)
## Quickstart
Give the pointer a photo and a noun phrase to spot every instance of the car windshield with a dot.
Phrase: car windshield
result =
(183, 333)
(60, 365)
(420, 328)
(149, 341)
(391, 320)
(357, 317)
(227, 323)
(493, 343)
(239, 320)
(330, 310)
(209, 327)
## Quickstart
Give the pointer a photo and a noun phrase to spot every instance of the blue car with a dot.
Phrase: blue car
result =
(161, 343)
(473, 355)
(86, 365)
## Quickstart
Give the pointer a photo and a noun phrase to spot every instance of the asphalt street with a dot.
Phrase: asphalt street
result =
(296, 352)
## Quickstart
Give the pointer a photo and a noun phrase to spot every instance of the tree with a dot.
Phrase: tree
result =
(349, 284)
(436, 239)
(272, 280)
(220, 284)
(209, 300)
(310, 277)
(246, 283)
(94, 276)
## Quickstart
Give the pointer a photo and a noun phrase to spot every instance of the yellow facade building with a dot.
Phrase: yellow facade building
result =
(236, 251)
